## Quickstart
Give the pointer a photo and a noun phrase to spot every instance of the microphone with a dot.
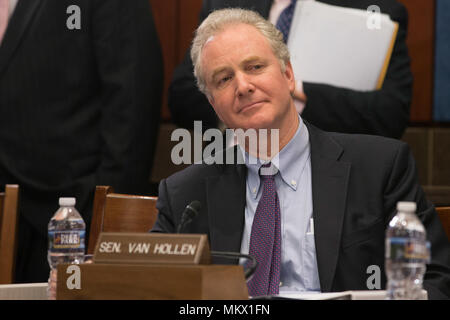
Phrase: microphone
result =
(190, 212)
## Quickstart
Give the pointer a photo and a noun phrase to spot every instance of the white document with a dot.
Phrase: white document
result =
(344, 295)
(339, 46)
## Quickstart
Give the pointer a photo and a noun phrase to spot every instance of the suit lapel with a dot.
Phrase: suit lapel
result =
(226, 206)
(329, 189)
(17, 26)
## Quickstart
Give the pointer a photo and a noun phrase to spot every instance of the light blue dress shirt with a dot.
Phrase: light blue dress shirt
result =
(298, 253)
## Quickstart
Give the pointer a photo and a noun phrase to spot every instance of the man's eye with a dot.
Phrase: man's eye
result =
(224, 79)
(256, 67)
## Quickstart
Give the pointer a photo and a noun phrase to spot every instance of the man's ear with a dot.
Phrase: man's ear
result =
(289, 75)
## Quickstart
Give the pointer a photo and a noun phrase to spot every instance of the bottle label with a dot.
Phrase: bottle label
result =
(63, 240)
(405, 250)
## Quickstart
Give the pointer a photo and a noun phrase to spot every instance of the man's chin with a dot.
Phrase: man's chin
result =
(260, 120)
(260, 123)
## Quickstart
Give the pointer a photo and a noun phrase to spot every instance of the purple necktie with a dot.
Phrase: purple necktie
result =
(285, 19)
(265, 241)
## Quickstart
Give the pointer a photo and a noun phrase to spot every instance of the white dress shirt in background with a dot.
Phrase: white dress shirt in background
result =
(277, 7)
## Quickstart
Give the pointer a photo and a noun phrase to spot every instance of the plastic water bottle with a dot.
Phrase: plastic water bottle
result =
(407, 253)
(66, 234)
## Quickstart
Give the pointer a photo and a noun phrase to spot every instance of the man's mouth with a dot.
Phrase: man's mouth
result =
(251, 105)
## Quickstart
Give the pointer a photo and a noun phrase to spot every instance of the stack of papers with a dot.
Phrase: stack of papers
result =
(343, 47)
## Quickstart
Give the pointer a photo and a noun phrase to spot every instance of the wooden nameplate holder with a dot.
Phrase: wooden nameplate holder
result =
(151, 266)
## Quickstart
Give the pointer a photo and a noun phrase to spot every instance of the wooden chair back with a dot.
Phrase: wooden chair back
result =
(114, 212)
(8, 232)
(444, 215)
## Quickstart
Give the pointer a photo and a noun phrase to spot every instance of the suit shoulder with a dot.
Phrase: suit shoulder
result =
(193, 173)
(369, 145)
(374, 158)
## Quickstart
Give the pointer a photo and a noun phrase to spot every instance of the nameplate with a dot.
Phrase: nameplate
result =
(148, 248)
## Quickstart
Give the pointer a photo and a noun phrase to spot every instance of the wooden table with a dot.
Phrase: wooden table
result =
(25, 291)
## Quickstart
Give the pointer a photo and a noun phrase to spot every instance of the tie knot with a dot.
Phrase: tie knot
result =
(268, 171)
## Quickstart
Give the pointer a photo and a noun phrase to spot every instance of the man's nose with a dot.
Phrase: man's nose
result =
(244, 84)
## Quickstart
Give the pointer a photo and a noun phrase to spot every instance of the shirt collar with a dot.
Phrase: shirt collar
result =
(292, 160)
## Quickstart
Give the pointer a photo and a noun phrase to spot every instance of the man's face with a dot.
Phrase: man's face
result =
(247, 87)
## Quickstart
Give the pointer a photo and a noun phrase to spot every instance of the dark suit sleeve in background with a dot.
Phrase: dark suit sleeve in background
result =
(130, 69)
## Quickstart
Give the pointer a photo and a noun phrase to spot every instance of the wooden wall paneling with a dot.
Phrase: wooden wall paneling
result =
(176, 21)
(188, 17)
(165, 15)
(421, 50)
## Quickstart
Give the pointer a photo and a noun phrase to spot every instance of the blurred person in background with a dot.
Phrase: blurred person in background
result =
(80, 94)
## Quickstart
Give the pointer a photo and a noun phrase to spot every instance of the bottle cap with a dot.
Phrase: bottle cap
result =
(67, 202)
(406, 206)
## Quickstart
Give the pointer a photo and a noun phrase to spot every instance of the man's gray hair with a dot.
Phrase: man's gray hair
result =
(218, 20)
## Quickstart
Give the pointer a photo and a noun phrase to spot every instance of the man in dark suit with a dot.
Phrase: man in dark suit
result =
(80, 92)
(335, 193)
(382, 112)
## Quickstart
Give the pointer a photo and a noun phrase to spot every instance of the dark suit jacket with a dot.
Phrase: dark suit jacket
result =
(383, 112)
(78, 108)
(357, 181)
